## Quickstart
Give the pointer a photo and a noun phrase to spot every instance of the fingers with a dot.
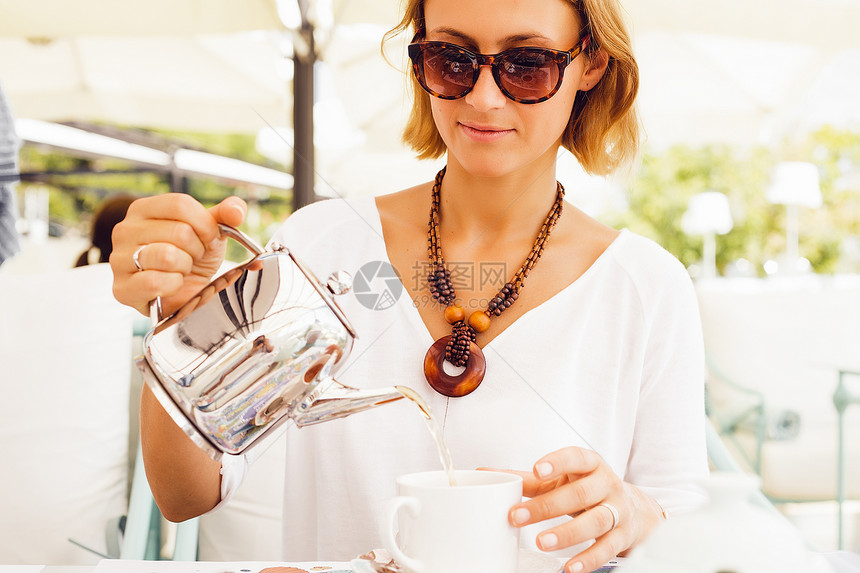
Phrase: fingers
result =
(231, 211)
(176, 207)
(163, 245)
(566, 461)
(532, 486)
(182, 247)
(523, 474)
(570, 498)
(179, 220)
(575, 482)
(138, 289)
(596, 523)
(172, 219)
(579, 483)
(604, 549)
(165, 257)
(591, 524)
(557, 485)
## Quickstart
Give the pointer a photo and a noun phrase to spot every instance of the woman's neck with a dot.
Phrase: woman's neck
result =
(477, 208)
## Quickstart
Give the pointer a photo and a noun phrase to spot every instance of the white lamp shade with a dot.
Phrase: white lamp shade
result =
(795, 183)
(707, 213)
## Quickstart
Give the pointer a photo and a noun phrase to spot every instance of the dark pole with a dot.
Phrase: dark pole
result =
(304, 56)
(178, 181)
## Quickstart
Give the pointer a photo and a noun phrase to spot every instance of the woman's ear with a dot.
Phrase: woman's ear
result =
(597, 64)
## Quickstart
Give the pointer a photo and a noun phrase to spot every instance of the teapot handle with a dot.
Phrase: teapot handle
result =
(155, 310)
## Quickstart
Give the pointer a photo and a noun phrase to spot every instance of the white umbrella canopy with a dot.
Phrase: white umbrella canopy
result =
(372, 96)
(737, 71)
(383, 12)
(745, 72)
(701, 88)
(830, 24)
(196, 83)
(206, 65)
(53, 18)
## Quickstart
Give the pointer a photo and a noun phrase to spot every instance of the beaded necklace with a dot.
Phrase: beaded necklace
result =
(459, 348)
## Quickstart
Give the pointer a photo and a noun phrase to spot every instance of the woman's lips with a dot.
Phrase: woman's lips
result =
(484, 132)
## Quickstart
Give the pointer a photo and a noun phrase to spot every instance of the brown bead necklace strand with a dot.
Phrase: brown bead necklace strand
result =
(459, 348)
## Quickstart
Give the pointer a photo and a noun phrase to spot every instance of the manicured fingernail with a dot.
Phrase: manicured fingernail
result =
(548, 541)
(520, 515)
(543, 469)
(576, 567)
(238, 207)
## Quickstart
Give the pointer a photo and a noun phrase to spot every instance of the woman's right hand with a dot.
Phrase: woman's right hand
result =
(182, 248)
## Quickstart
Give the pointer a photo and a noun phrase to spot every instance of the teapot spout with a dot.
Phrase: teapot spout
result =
(339, 400)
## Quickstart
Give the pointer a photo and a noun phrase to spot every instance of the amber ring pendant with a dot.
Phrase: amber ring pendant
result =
(454, 386)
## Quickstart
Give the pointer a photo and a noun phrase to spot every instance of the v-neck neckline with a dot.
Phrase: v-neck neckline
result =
(418, 321)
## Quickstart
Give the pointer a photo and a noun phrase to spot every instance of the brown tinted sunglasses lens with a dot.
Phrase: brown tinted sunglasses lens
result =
(446, 71)
(527, 74)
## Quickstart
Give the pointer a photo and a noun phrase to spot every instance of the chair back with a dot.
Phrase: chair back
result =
(65, 361)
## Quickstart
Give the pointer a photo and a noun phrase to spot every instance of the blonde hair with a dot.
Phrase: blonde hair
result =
(603, 129)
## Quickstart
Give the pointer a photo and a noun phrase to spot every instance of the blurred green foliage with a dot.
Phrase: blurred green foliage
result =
(665, 182)
(77, 186)
(657, 196)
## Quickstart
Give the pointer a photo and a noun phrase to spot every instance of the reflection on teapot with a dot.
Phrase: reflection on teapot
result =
(255, 348)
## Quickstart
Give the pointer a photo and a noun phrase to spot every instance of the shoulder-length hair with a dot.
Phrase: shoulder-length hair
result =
(603, 129)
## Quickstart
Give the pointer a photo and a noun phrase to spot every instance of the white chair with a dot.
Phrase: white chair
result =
(778, 351)
(721, 459)
(246, 528)
(775, 349)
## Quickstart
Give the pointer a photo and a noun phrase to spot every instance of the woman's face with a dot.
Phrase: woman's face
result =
(485, 132)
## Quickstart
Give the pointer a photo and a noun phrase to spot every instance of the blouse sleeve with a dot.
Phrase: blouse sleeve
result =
(668, 458)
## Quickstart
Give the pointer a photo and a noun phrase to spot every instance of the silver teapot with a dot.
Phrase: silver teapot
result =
(254, 349)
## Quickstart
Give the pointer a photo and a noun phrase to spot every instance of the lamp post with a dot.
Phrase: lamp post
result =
(708, 214)
(842, 398)
(793, 184)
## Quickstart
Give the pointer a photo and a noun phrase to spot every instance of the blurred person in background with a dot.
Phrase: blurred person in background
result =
(9, 145)
(109, 213)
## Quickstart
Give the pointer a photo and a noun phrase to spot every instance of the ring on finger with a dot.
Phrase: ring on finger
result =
(136, 258)
(612, 509)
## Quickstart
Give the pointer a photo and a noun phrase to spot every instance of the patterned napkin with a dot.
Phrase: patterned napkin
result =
(379, 561)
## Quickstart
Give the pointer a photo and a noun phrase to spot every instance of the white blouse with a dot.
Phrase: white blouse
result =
(613, 362)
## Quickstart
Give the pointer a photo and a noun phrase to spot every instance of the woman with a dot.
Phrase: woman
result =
(592, 375)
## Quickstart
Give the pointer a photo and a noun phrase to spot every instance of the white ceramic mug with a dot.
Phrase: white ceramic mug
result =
(460, 529)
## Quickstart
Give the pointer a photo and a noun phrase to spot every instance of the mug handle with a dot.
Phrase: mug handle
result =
(413, 506)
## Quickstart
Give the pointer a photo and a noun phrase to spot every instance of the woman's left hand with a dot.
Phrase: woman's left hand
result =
(579, 483)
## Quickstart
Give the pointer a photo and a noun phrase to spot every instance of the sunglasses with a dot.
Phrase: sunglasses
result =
(524, 75)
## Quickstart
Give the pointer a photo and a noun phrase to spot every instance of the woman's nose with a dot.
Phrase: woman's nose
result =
(486, 93)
